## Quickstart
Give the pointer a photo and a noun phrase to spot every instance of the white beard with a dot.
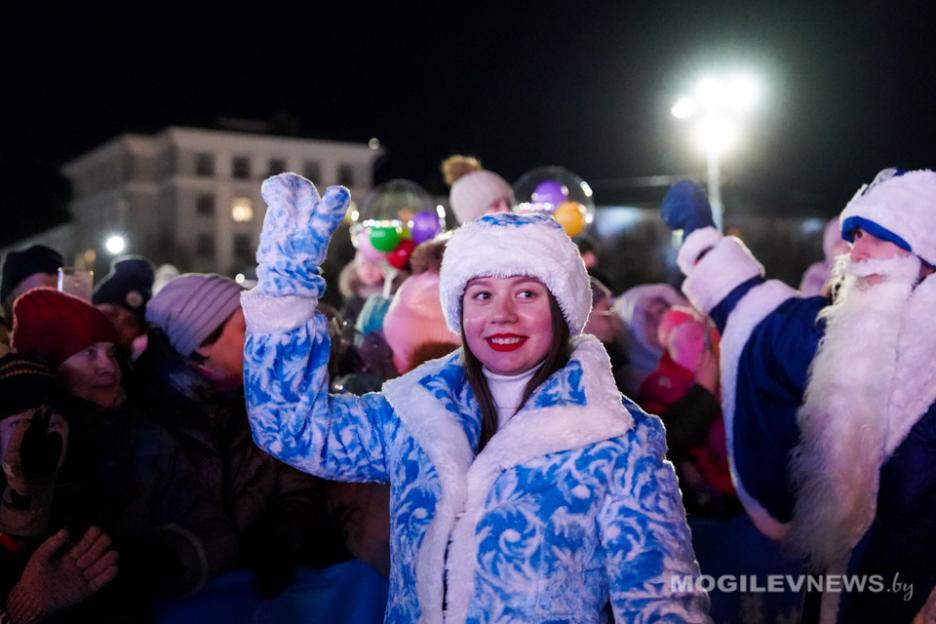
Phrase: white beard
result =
(844, 420)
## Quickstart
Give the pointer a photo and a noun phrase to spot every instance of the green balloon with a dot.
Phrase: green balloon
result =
(385, 238)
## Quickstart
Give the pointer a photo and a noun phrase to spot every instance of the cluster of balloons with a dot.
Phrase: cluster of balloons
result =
(559, 193)
(394, 218)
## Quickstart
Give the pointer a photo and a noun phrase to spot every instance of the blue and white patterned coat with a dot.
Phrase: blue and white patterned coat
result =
(569, 506)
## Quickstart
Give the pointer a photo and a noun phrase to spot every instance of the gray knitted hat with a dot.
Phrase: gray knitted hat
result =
(192, 306)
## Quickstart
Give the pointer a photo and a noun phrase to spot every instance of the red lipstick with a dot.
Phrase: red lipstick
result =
(505, 342)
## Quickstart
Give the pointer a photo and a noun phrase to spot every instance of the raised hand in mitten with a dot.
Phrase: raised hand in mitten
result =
(296, 231)
(30, 463)
(686, 208)
(58, 576)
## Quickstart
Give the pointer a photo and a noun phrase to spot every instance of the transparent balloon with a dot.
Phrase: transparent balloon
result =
(558, 192)
(389, 212)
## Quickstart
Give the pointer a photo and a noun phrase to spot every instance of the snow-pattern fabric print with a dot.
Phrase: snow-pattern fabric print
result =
(296, 230)
(570, 506)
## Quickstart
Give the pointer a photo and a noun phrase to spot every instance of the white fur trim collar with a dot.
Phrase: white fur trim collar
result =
(466, 480)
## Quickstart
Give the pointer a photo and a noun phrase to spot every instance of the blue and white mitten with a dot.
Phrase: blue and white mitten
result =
(296, 231)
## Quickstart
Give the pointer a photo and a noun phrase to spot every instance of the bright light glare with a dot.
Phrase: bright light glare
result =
(115, 244)
(684, 108)
(239, 278)
(717, 135)
(710, 92)
(744, 92)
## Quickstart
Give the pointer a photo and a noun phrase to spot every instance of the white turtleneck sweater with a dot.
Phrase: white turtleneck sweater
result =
(507, 392)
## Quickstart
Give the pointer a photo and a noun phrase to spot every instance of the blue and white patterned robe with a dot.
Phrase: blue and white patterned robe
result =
(770, 336)
(569, 507)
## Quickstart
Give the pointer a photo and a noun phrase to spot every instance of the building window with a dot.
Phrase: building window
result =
(240, 168)
(205, 205)
(242, 210)
(312, 171)
(204, 164)
(204, 246)
(277, 165)
(346, 175)
(242, 247)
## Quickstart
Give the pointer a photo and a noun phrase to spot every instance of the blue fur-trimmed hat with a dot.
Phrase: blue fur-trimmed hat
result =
(129, 284)
(507, 244)
(898, 206)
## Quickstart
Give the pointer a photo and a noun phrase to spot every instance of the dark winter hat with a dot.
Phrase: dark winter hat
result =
(55, 325)
(191, 307)
(129, 284)
(26, 381)
(20, 264)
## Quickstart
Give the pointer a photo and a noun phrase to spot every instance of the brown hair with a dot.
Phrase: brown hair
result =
(556, 357)
(428, 257)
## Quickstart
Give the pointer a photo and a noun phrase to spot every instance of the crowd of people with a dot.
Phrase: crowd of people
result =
(491, 433)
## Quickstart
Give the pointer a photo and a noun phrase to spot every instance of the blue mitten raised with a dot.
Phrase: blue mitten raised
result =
(686, 208)
(296, 231)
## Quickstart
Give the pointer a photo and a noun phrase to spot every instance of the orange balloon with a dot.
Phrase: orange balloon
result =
(571, 216)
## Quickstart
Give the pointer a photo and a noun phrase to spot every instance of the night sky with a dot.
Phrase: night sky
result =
(587, 85)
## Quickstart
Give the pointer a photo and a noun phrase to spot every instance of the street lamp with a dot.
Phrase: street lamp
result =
(718, 103)
(115, 244)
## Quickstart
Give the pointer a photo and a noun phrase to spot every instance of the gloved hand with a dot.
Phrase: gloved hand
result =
(30, 463)
(296, 231)
(686, 208)
(58, 576)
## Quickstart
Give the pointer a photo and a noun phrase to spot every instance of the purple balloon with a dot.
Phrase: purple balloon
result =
(425, 226)
(550, 192)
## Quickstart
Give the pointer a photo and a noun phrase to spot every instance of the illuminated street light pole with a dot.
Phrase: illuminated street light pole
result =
(718, 103)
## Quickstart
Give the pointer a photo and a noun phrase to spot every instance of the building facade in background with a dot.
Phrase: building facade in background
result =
(191, 197)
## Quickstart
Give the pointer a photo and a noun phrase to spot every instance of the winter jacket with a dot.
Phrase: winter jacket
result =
(569, 507)
(770, 336)
(282, 516)
(695, 435)
(127, 475)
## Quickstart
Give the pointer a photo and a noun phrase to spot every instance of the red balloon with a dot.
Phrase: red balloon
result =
(399, 257)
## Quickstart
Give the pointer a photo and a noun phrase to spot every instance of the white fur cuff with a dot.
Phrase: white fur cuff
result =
(265, 314)
(728, 265)
(694, 244)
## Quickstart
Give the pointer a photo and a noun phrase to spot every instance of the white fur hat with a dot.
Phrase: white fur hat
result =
(473, 193)
(899, 207)
(506, 244)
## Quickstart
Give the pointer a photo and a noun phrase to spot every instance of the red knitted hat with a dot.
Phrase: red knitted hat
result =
(55, 325)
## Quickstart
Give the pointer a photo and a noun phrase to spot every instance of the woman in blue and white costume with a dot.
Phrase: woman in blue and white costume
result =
(548, 503)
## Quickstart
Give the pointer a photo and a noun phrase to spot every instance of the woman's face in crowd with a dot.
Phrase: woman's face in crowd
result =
(507, 322)
(498, 205)
(652, 315)
(127, 324)
(11, 423)
(223, 360)
(93, 374)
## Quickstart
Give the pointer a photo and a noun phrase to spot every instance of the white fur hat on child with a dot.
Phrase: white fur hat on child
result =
(506, 244)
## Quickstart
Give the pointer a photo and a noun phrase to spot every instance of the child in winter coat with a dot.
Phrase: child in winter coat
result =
(523, 486)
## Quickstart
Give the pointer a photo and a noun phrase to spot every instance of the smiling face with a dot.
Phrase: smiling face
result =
(507, 322)
(93, 374)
